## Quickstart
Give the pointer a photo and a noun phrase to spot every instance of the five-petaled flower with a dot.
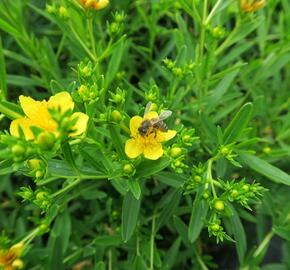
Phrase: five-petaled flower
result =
(149, 144)
(37, 114)
(9, 259)
(94, 4)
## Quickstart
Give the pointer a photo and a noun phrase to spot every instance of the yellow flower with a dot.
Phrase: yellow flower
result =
(94, 4)
(9, 259)
(38, 115)
(150, 144)
(251, 5)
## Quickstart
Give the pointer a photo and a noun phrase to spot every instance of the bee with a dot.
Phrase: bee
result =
(149, 126)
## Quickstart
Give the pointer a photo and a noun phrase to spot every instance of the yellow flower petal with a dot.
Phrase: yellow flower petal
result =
(135, 123)
(62, 101)
(133, 148)
(151, 115)
(165, 136)
(36, 111)
(24, 124)
(153, 151)
(81, 124)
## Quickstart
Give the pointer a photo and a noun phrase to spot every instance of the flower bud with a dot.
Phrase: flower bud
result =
(246, 187)
(18, 264)
(224, 151)
(129, 169)
(177, 71)
(41, 195)
(39, 174)
(50, 9)
(234, 193)
(205, 195)
(18, 150)
(116, 116)
(219, 205)
(34, 163)
(267, 150)
(86, 71)
(197, 178)
(45, 140)
(215, 227)
(82, 90)
(186, 138)
(62, 11)
(175, 152)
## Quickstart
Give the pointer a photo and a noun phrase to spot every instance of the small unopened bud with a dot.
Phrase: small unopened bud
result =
(186, 138)
(246, 187)
(197, 178)
(116, 116)
(177, 71)
(267, 150)
(18, 150)
(34, 163)
(62, 11)
(219, 205)
(205, 195)
(39, 174)
(215, 227)
(46, 140)
(128, 169)
(175, 152)
(234, 193)
(224, 150)
(18, 264)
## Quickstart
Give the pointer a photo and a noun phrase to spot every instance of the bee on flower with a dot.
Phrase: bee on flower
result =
(10, 259)
(148, 132)
(251, 5)
(94, 4)
(37, 114)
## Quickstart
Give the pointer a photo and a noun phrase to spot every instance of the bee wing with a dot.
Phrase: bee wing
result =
(147, 108)
(164, 114)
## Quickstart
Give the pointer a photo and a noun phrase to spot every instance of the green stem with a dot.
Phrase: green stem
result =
(152, 244)
(92, 37)
(68, 187)
(203, 28)
(200, 261)
(87, 50)
(110, 260)
(209, 177)
(263, 244)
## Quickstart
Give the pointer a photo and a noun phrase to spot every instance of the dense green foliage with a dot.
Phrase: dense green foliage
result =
(218, 198)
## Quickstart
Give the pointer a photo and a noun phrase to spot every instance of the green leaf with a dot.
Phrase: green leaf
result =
(108, 240)
(134, 187)
(264, 168)
(6, 167)
(151, 167)
(11, 110)
(3, 83)
(117, 140)
(62, 229)
(169, 209)
(56, 256)
(171, 254)
(239, 234)
(197, 218)
(238, 124)
(182, 229)
(130, 212)
(171, 179)
(114, 63)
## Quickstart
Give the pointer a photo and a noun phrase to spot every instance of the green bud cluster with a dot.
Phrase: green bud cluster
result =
(118, 97)
(226, 151)
(57, 10)
(195, 181)
(217, 32)
(38, 168)
(216, 229)
(179, 71)
(41, 197)
(187, 137)
(85, 70)
(116, 27)
(88, 93)
(152, 94)
(242, 192)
